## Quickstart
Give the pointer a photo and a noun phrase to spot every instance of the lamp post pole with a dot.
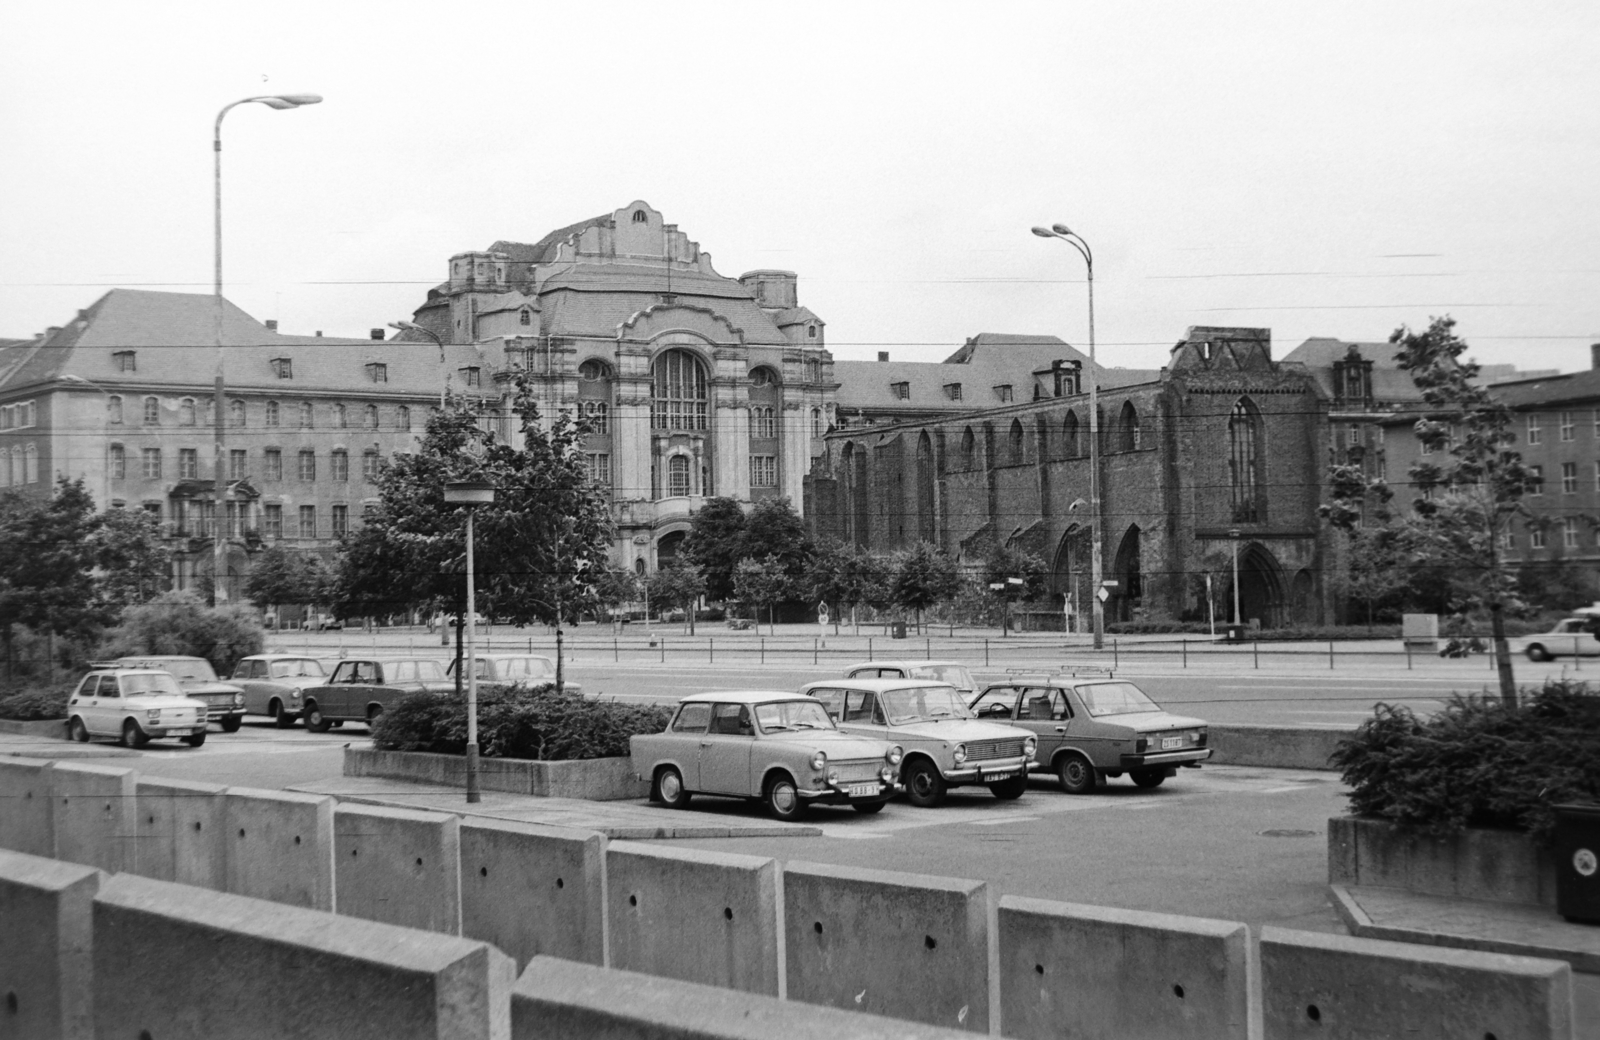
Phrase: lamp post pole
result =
(1233, 536)
(411, 326)
(471, 494)
(1077, 242)
(221, 495)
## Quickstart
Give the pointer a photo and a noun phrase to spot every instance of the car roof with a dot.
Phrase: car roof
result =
(161, 657)
(507, 657)
(908, 662)
(389, 660)
(875, 685)
(282, 657)
(126, 671)
(742, 697)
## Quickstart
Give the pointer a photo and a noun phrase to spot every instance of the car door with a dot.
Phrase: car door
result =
(108, 710)
(725, 750)
(334, 699)
(250, 677)
(689, 732)
(86, 703)
(1044, 712)
(997, 703)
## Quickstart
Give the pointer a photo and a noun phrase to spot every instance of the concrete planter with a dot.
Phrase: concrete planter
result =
(1274, 747)
(598, 779)
(47, 728)
(1495, 866)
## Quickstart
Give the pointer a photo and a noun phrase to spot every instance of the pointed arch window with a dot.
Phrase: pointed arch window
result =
(680, 395)
(1244, 461)
(969, 449)
(1128, 428)
(1069, 436)
(1014, 443)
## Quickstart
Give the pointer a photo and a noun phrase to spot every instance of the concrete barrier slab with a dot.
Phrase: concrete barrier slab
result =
(1073, 970)
(1335, 987)
(534, 890)
(707, 917)
(180, 832)
(562, 998)
(25, 809)
(279, 846)
(46, 957)
(175, 961)
(92, 812)
(400, 866)
(1274, 747)
(903, 945)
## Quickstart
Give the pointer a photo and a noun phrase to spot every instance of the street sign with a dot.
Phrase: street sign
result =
(1103, 595)
(1111, 583)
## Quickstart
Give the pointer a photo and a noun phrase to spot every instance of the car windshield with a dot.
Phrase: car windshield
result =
(1115, 698)
(298, 668)
(429, 670)
(922, 704)
(190, 671)
(954, 674)
(523, 668)
(148, 683)
(780, 716)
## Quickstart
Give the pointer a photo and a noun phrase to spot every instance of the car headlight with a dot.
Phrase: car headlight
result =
(294, 695)
(1141, 745)
(238, 699)
(819, 760)
(153, 715)
(1200, 739)
(886, 774)
(1029, 746)
(960, 754)
(894, 755)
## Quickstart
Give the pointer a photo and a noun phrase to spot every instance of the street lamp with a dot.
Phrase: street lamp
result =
(411, 326)
(471, 493)
(1077, 242)
(1233, 536)
(220, 492)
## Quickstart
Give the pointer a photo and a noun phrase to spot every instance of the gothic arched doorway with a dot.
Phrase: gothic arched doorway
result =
(1128, 593)
(1070, 576)
(1261, 586)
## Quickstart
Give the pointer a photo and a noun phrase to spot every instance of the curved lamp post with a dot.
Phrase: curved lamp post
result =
(220, 490)
(411, 326)
(1077, 242)
(471, 493)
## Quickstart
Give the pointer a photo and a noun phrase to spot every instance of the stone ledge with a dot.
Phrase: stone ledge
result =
(46, 728)
(597, 780)
(1274, 747)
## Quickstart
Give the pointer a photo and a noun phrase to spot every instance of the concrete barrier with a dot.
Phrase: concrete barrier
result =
(1274, 747)
(707, 917)
(1073, 970)
(400, 866)
(534, 890)
(46, 958)
(56, 728)
(175, 961)
(1335, 987)
(1496, 866)
(561, 998)
(279, 846)
(903, 945)
(92, 812)
(25, 819)
(599, 779)
(179, 833)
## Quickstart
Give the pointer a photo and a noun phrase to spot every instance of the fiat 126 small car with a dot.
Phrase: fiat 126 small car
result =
(779, 747)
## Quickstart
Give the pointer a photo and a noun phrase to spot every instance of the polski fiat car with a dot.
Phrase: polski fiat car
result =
(779, 747)
(134, 706)
(224, 701)
(944, 745)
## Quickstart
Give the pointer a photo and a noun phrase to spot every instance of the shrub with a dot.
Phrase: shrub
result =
(518, 722)
(1477, 763)
(181, 623)
(35, 705)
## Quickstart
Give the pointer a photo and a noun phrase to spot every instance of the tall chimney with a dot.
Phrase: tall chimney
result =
(1594, 355)
(883, 355)
(272, 324)
(375, 334)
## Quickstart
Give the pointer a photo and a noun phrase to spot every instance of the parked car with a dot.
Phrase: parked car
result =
(779, 747)
(1571, 637)
(529, 669)
(361, 689)
(1090, 729)
(134, 705)
(951, 673)
(944, 745)
(273, 684)
(197, 679)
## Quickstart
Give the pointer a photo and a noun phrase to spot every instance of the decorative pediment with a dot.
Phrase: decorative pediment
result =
(660, 318)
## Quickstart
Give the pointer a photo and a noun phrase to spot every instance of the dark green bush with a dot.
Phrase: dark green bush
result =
(518, 722)
(1478, 763)
(35, 706)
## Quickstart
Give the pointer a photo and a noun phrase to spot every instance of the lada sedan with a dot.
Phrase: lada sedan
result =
(527, 669)
(273, 684)
(134, 705)
(951, 673)
(197, 679)
(779, 747)
(363, 688)
(1089, 729)
(945, 746)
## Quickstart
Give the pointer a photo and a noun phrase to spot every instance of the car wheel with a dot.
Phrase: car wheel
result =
(1008, 790)
(783, 798)
(868, 808)
(283, 718)
(231, 723)
(670, 790)
(924, 786)
(1149, 777)
(372, 717)
(315, 721)
(76, 730)
(196, 740)
(1076, 774)
(132, 735)
(1537, 652)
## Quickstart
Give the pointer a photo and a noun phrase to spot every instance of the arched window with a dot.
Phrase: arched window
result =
(272, 413)
(969, 449)
(186, 412)
(594, 369)
(678, 476)
(1014, 444)
(372, 417)
(763, 376)
(236, 415)
(402, 417)
(817, 429)
(119, 462)
(679, 392)
(1069, 436)
(639, 217)
(525, 317)
(152, 411)
(599, 415)
(305, 415)
(30, 464)
(341, 416)
(1127, 428)
(1244, 431)
(114, 408)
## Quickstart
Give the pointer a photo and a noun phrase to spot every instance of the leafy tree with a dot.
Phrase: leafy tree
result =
(923, 576)
(131, 563)
(681, 584)
(774, 528)
(716, 543)
(47, 556)
(181, 623)
(1019, 574)
(281, 576)
(846, 575)
(614, 586)
(763, 581)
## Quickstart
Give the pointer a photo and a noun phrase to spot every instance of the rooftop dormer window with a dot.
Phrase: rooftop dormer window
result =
(953, 391)
(901, 391)
(1003, 392)
(125, 360)
(378, 372)
(282, 367)
(525, 317)
(472, 376)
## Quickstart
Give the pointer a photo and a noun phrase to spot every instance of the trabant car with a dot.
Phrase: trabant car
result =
(945, 746)
(134, 705)
(1089, 729)
(1571, 637)
(779, 747)
(197, 679)
(361, 689)
(951, 673)
(528, 669)
(273, 684)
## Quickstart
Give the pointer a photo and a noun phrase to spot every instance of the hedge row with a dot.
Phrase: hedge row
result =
(518, 722)
(35, 706)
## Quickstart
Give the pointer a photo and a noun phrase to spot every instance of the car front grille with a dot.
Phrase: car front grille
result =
(861, 769)
(988, 750)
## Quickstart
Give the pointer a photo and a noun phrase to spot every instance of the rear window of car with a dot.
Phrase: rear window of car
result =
(1114, 698)
(296, 669)
(692, 718)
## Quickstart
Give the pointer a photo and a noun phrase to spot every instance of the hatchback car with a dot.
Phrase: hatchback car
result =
(528, 669)
(951, 673)
(273, 684)
(134, 705)
(779, 747)
(361, 689)
(197, 679)
(945, 746)
(1089, 729)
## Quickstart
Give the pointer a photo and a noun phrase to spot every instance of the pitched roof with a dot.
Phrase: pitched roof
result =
(1548, 390)
(1390, 384)
(544, 250)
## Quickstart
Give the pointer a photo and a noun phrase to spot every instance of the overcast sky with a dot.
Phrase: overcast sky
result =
(1322, 169)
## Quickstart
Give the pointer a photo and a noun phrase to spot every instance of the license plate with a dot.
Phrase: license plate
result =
(1007, 775)
(1168, 743)
(863, 790)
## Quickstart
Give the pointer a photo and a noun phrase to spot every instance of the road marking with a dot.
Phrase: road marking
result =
(1000, 822)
